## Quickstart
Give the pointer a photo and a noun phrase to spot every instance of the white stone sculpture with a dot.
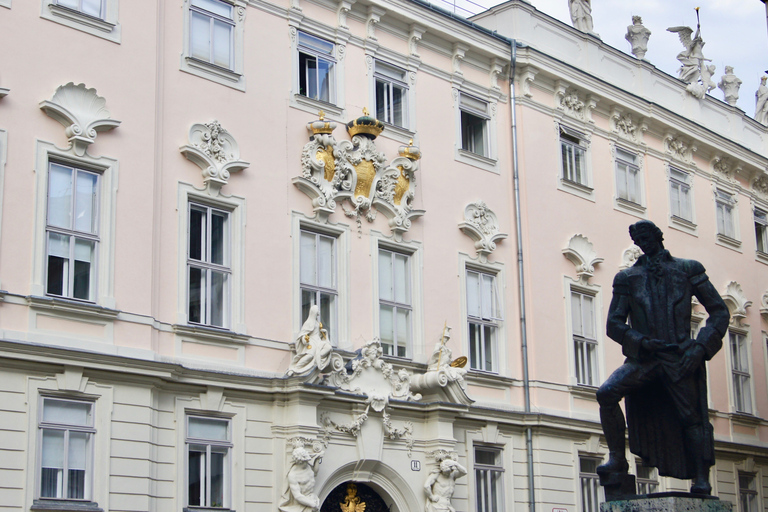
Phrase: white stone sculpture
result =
(481, 225)
(215, 151)
(312, 348)
(729, 84)
(705, 84)
(761, 102)
(299, 495)
(440, 485)
(581, 15)
(82, 112)
(692, 57)
(737, 303)
(638, 36)
(581, 253)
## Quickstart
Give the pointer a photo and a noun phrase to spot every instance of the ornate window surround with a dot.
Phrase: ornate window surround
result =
(638, 209)
(418, 348)
(341, 232)
(585, 132)
(107, 28)
(386, 56)
(233, 78)
(755, 204)
(581, 286)
(236, 206)
(721, 239)
(339, 38)
(488, 163)
(742, 330)
(680, 224)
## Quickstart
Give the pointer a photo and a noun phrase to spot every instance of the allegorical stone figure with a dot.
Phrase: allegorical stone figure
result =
(638, 36)
(729, 84)
(761, 102)
(440, 486)
(299, 495)
(692, 58)
(581, 14)
(312, 348)
(663, 378)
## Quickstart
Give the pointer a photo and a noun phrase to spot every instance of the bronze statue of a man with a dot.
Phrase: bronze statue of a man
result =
(663, 377)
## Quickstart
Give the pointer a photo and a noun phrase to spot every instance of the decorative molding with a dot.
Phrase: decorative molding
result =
(629, 256)
(527, 75)
(764, 306)
(581, 253)
(760, 185)
(725, 168)
(625, 126)
(482, 226)
(496, 70)
(679, 149)
(737, 303)
(459, 51)
(568, 100)
(216, 152)
(374, 16)
(414, 37)
(82, 112)
(341, 12)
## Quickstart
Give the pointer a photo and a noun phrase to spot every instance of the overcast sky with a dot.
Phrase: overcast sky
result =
(734, 31)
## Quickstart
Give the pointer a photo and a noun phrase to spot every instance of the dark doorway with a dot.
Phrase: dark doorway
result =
(350, 497)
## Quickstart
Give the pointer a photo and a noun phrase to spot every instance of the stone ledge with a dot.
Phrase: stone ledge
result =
(668, 502)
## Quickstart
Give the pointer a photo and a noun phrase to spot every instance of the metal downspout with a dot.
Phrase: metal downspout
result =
(521, 280)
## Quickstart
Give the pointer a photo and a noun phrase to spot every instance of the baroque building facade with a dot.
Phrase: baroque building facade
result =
(368, 233)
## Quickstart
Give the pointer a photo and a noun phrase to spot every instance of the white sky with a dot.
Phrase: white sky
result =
(734, 31)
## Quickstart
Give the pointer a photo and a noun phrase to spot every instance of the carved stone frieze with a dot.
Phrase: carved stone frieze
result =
(416, 33)
(737, 303)
(725, 168)
(459, 51)
(215, 151)
(569, 100)
(764, 306)
(482, 226)
(82, 112)
(581, 253)
(527, 75)
(679, 149)
(760, 185)
(357, 173)
(626, 127)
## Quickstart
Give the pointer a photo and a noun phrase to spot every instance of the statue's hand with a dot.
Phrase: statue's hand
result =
(691, 359)
(653, 345)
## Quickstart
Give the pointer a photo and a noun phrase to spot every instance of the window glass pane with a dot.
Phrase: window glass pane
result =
(72, 4)
(85, 202)
(78, 450)
(386, 323)
(53, 449)
(307, 75)
(589, 315)
(307, 258)
(473, 294)
(76, 484)
(402, 288)
(196, 286)
(385, 275)
(92, 7)
(214, 6)
(218, 238)
(51, 482)
(576, 314)
(487, 457)
(57, 282)
(486, 299)
(84, 254)
(200, 36)
(328, 313)
(315, 43)
(381, 101)
(196, 476)
(218, 459)
(488, 334)
(324, 70)
(208, 428)
(197, 228)
(403, 326)
(222, 43)
(398, 100)
(307, 301)
(218, 298)
(474, 346)
(325, 263)
(66, 412)
(60, 196)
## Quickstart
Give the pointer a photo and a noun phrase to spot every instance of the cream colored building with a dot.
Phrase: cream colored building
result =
(175, 198)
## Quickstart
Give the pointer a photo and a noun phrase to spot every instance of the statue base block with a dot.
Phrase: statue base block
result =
(667, 502)
(618, 486)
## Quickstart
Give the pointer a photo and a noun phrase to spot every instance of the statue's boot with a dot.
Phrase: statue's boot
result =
(694, 440)
(614, 427)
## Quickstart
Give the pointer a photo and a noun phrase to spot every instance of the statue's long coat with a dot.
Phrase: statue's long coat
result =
(657, 300)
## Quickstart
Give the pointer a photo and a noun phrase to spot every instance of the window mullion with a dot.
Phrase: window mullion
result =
(65, 470)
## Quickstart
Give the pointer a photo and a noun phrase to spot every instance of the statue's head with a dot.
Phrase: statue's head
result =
(637, 20)
(646, 235)
(446, 466)
(728, 70)
(763, 79)
(301, 454)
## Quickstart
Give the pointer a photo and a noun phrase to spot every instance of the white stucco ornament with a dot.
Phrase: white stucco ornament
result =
(442, 371)
(629, 256)
(482, 226)
(764, 306)
(638, 35)
(82, 112)
(737, 303)
(581, 253)
(357, 174)
(215, 151)
(729, 84)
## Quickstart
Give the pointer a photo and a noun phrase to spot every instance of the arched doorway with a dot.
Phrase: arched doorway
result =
(350, 496)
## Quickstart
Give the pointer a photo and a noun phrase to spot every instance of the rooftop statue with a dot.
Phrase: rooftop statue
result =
(761, 105)
(692, 57)
(664, 376)
(729, 84)
(581, 15)
(638, 36)
(312, 348)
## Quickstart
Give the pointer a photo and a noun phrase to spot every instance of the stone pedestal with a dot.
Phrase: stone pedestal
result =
(668, 502)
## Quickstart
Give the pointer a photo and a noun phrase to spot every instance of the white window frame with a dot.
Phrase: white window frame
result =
(495, 324)
(760, 220)
(740, 382)
(749, 498)
(727, 217)
(482, 105)
(210, 445)
(406, 305)
(89, 429)
(489, 479)
(585, 348)
(235, 206)
(105, 26)
(585, 188)
(649, 482)
(474, 108)
(391, 77)
(339, 336)
(626, 163)
(589, 485)
(571, 286)
(107, 169)
(378, 60)
(233, 76)
(680, 182)
(315, 289)
(571, 145)
(335, 107)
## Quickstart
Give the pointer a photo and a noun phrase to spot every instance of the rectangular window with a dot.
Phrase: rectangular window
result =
(72, 232)
(680, 195)
(483, 316)
(747, 493)
(590, 484)
(724, 202)
(317, 276)
(208, 266)
(647, 479)
(208, 447)
(391, 94)
(211, 32)
(627, 177)
(395, 308)
(66, 449)
(93, 8)
(573, 157)
(761, 230)
(474, 125)
(742, 391)
(584, 337)
(316, 68)
(489, 471)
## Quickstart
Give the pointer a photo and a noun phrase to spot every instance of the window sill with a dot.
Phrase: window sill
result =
(584, 391)
(577, 189)
(745, 419)
(213, 73)
(72, 307)
(475, 160)
(728, 242)
(65, 505)
(204, 333)
(630, 207)
(398, 133)
(306, 104)
(684, 225)
(206, 509)
(488, 379)
(761, 257)
(83, 22)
